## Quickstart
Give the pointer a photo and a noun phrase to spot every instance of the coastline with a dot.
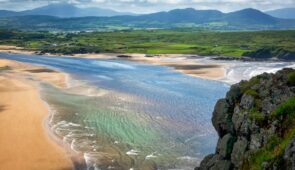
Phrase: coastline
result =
(35, 74)
(21, 71)
(23, 117)
(185, 64)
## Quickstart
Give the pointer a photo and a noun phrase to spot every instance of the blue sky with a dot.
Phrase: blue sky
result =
(146, 6)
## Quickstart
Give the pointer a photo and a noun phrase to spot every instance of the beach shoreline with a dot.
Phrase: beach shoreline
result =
(182, 63)
(33, 75)
(23, 116)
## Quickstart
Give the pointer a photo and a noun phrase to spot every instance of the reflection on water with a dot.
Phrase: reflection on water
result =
(124, 115)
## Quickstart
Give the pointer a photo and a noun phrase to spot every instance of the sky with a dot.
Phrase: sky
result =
(148, 6)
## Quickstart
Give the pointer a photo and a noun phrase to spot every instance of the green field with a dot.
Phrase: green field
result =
(179, 41)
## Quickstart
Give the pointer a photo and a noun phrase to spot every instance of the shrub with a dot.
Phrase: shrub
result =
(291, 78)
(252, 93)
(257, 116)
(246, 85)
(286, 108)
(258, 103)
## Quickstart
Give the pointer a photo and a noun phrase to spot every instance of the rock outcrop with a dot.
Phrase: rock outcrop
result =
(256, 125)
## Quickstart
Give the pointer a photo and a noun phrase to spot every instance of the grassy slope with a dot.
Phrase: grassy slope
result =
(273, 151)
(153, 42)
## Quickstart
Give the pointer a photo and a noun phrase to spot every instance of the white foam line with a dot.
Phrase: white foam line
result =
(246, 70)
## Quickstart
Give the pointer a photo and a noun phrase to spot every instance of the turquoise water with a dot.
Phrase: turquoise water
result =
(124, 115)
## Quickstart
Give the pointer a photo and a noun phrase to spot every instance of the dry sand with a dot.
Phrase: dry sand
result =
(14, 49)
(24, 140)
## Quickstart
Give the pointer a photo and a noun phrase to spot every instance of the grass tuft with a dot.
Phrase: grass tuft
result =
(246, 85)
(253, 93)
(257, 116)
(286, 108)
(5, 68)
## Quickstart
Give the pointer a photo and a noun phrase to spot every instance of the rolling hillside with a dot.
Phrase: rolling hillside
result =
(247, 19)
(64, 10)
(286, 13)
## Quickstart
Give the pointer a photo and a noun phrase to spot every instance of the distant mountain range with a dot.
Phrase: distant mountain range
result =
(286, 13)
(55, 17)
(64, 10)
(190, 15)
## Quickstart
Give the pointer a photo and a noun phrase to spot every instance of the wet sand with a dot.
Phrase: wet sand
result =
(37, 73)
(24, 140)
(186, 64)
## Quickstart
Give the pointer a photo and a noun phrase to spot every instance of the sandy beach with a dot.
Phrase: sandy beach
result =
(14, 49)
(182, 63)
(24, 140)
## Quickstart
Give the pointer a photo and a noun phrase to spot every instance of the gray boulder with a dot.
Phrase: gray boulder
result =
(209, 161)
(238, 118)
(289, 155)
(222, 118)
(247, 102)
(238, 152)
(225, 146)
(234, 94)
(222, 165)
(256, 141)
(267, 105)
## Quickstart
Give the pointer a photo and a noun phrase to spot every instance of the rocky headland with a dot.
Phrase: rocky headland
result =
(256, 125)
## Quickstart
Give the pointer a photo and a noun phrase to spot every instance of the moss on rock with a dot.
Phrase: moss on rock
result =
(262, 120)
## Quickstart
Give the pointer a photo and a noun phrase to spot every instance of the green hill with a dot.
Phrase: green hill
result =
(247, 19)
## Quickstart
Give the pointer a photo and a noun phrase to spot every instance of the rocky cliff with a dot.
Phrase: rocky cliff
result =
(256, 125)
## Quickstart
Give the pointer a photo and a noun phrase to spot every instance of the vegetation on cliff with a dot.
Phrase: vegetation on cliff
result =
(256, 125)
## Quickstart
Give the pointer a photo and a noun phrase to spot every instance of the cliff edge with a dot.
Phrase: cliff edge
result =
(256, 125)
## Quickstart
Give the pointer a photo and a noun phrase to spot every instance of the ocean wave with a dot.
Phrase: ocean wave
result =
(113, 65)
(151, 156)
(246, 70)
(133, 152)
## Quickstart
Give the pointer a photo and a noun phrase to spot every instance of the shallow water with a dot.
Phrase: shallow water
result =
(124, 115)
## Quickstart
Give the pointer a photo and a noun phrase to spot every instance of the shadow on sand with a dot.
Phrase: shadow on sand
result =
(2, 108)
